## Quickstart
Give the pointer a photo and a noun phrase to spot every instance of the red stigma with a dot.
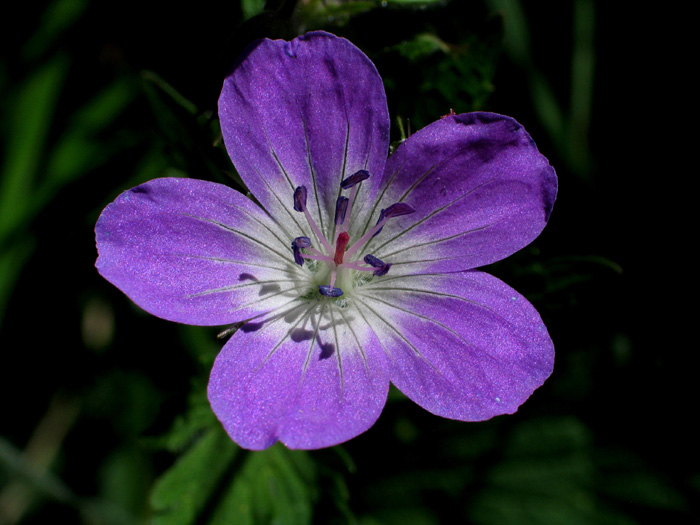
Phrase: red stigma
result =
(343, 240)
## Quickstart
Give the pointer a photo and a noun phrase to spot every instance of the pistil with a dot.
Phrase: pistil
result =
(340, 245)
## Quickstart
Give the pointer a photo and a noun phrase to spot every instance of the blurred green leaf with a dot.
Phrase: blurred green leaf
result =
(202, 344)
(128, 398)
(80, 147)
(647, 489)
(407, 514)
(170, 91)
(125, 477)
(567, 125)
(183, 492)
(320, 13)
(56, 18)
(199, 416)
(30, 121)
(546, 476)
(626, 478)
(197, 419)
(276, 485)
(517, 42)
(564, 275)
(415, 3)
(30, 116)
(348, 9)
(422, 45)
(189, 134)
(442, 74)
(252, 8)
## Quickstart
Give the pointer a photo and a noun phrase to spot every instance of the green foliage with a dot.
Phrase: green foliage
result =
(190, 135)
(32, 111)
(451, 75)
(414, 3)
(183, 492)
(567, 124)
(252, 8)
(216, 483)
(273, 486)
(56, 19)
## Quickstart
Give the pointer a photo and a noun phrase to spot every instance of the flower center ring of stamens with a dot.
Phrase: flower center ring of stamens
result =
(337, 255)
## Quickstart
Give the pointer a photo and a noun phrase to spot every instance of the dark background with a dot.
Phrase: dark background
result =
(104, 417)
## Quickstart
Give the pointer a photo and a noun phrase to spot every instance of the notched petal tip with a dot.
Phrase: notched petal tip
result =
(310, 109)
(290, 48)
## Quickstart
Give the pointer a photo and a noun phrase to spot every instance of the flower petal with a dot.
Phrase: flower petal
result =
(464, 345)
(307, 112)
(481, 192)
(194, 252)
(311, 378)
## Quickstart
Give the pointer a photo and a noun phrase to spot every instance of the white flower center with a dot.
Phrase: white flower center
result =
(341, 270)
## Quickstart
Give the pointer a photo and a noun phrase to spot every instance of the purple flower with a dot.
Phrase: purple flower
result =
(353, 271)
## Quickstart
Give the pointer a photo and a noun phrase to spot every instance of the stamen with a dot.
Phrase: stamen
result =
(343, 240)
(317, 256)
(341, 206)
(381, 267)
(355, 178)
(329, 291)
(297, 245)
(300, 205)
(302, 242)
(353, 182)
(395, 210)
(382, 271)
(336, 253)
(298, 257)
(300, 198)
(400, 208)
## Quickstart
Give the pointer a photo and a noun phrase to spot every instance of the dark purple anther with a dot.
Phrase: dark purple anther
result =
(374, 261)
(297, 245)
(381, 267)
(300, 198)
(330, 292)
(297, 255)
(354, 179)
(302, 242)
(395, 210)
(400, 208)
(382, 271)
(341, 206)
